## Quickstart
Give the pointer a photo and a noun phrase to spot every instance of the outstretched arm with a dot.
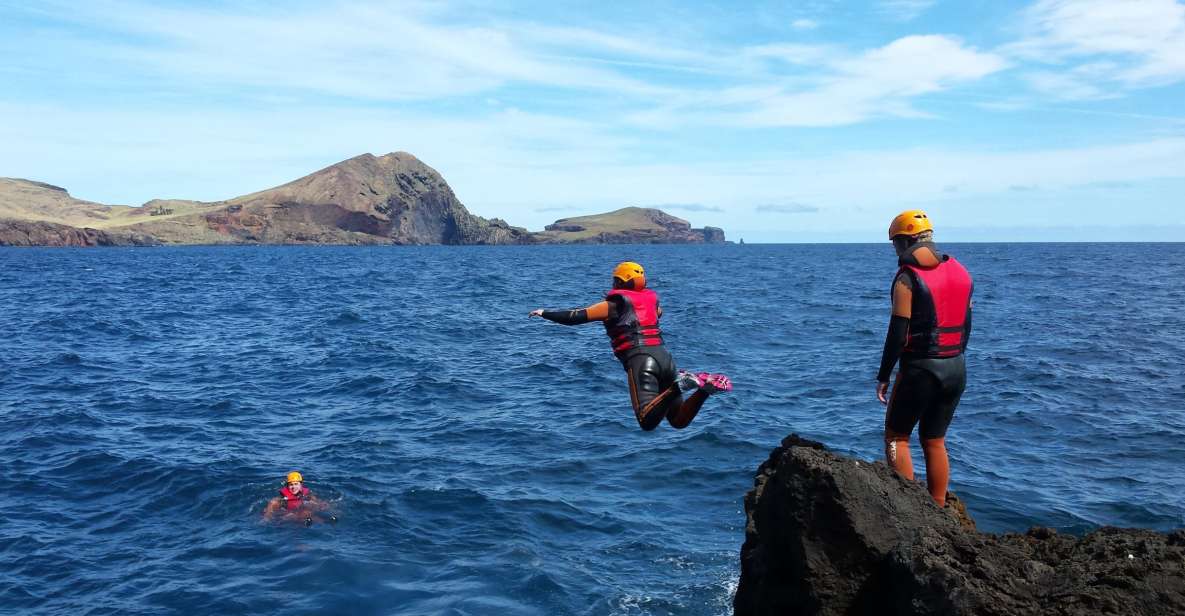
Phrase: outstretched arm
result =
(576, 316)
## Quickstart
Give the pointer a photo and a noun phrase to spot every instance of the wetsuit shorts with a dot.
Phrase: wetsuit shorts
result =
(925, 395)
(651, 371)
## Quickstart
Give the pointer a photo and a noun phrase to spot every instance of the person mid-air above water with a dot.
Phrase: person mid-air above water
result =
(630, 313)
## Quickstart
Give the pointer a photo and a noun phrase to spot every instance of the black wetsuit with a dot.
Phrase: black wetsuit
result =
(928, 389)
(926, 393)
(651, 372)
(650, 369)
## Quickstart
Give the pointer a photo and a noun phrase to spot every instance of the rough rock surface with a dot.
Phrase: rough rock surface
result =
(827, 534)
(391, 199)
(38, 233)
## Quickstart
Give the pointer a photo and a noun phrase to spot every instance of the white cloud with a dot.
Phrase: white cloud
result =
(1142, 41)
(371, 52)
(804, 24)
(904, 10)
(852, 88)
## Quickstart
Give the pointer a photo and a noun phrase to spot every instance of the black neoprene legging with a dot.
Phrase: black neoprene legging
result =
(653, 392)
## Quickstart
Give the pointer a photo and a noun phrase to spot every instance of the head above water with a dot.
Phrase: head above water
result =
(294, 479)
(908, 228)
(629, 275)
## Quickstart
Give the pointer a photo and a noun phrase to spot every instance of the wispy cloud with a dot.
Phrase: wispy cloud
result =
(804, 24)
(785, 208)
(904, 10)
(688, 207)
(376, 53)
(876, 83)
(1129, 44)
(370, 52)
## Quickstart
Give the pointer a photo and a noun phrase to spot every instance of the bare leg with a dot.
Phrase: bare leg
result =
(937, 468)
(681, 416)
(897, 454)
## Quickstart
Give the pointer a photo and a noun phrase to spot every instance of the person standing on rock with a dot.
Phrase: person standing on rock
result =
(928, 333)
(630, 313)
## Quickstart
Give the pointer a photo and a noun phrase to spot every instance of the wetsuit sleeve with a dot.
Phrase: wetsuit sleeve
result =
(894, 342)
(578, 316)
(898, 328)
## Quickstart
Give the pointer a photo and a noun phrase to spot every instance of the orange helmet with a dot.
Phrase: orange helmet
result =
(295, 476)
(629, 275)
(910, 222)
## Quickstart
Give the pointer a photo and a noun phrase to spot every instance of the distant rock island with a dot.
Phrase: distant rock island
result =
(390, 199)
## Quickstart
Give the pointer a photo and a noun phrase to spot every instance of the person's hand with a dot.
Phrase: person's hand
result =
(535, 313)
(882, 391)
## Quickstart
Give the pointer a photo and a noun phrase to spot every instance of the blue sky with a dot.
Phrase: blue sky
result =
(779, 121)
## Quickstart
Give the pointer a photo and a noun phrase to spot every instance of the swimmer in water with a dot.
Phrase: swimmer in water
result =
(296, 500)
(630, 313)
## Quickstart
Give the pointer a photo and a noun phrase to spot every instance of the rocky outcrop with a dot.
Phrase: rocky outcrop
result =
(713, 235)
(38, 233)
(631, 225)
(390, 199)
(827, 534)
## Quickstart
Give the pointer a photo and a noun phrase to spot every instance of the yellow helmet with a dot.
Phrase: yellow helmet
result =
(910, 222)
(630, 274)
(295, 476)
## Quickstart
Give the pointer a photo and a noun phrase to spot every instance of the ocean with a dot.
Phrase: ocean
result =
(480, 462)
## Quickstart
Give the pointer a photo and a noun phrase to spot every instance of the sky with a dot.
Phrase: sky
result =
(815, 120)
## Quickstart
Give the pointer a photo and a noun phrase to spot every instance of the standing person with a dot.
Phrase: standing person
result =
(928, 332)
(630, 313)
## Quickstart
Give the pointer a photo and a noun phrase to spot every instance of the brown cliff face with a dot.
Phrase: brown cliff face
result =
(40, 233)
(391, 199)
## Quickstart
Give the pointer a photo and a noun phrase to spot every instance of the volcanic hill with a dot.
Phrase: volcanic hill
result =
(391, 199)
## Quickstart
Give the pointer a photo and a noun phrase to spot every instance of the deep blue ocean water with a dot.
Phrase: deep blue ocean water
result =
(151, 401)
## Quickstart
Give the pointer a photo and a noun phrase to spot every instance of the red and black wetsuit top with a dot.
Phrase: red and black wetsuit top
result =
(295, 500)
(635, 323)
(939, 321)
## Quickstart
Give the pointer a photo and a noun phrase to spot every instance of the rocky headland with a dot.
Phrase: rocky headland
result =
(390, 199)
(631, 225)
(830, 535)
(40, 233)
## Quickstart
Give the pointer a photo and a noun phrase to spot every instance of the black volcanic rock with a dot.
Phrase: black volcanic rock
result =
(827, 534)
(39, 233)
(713, 235)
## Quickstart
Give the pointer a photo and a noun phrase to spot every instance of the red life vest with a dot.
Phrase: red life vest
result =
(295, 500)
(941, 302)
(636, 323)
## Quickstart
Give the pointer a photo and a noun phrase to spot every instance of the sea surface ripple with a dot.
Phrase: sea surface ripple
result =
(483, 463)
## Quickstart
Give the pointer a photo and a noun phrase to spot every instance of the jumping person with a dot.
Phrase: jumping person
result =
(928, 332)
(630, 313)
